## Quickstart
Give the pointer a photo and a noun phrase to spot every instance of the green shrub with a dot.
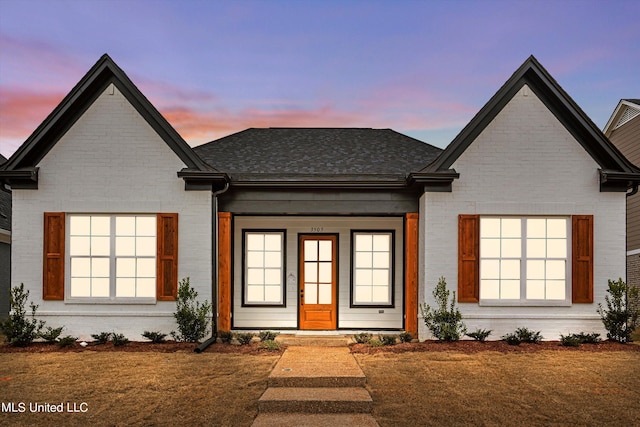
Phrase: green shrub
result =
(388, 339)
(102, 337)
(267, 335)
(528, 336)
(362, 338)
(619, 317)
(445, 321)
(67, 341)
(480, 334)
(191, 316)
(244, 338)
(375, 342)
(270, 345)
(155, 337)
(19, 330)
(406, 336)
(522, 335)
(571, 340)
(119, 340)
(574, 340)
(50, 334)
(225, 336)
(591, 338)
(512, 339)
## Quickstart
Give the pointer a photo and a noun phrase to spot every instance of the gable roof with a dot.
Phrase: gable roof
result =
(616, 172)
(326, 156)
(626, 110)
(21, 169)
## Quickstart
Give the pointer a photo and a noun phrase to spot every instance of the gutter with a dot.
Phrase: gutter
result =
(214, 281)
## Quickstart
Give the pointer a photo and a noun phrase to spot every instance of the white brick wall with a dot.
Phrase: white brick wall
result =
(111, 161)
(524, 163)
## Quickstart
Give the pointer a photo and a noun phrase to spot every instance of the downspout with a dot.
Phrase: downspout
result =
(214, 281)
(626, 248)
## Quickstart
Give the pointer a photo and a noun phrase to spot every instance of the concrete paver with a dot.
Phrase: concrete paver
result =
(316, 385)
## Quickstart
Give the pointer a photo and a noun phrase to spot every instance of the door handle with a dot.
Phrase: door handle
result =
(301, 296)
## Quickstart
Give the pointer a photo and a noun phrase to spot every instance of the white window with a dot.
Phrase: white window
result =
(264, 267)
(524, 259)
(372, 268)
(112, 256)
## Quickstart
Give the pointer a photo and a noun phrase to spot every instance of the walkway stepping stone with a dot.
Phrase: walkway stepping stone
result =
(332, 400)
(314, 420)
(314, 385)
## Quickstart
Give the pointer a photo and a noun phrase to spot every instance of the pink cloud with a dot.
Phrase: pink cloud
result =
(21, 111)
(40, 65)
(198, 127)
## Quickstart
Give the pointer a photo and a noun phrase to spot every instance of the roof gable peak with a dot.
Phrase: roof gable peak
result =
(559, 103)
(102, 74)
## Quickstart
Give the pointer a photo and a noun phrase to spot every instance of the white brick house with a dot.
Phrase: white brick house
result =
(317, 229)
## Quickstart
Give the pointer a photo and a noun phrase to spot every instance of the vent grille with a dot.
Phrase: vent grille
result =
(628, 114)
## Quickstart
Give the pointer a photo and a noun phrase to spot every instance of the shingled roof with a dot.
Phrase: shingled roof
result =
(317, 154)
(5, 204)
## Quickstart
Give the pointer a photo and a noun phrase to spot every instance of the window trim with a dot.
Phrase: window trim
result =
(283, 234)
(112, 298)
(392, 269)
(523, 301)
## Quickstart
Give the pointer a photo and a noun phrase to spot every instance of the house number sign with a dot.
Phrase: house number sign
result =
(317, 229)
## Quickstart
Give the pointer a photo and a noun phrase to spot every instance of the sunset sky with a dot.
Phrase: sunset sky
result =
(212, 68)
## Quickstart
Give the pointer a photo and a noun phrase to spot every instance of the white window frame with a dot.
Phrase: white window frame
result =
(245, 269)
(111, 298)
(523, 301)
(389, 303)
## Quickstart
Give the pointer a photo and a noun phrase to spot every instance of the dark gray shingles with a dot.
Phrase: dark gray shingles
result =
(5, 204)
(318, 151)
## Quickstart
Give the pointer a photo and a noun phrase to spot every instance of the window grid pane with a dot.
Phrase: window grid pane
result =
(372, 271)
(264, 265)
(122, 246)
(501, 253)
(523, 258)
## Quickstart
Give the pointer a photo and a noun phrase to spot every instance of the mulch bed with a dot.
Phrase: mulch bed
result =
(471, 347)
(141, 347)
(464, 346)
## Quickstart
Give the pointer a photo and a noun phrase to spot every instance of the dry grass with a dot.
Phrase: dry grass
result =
(147, 388)
(489, 388)
(415, 388)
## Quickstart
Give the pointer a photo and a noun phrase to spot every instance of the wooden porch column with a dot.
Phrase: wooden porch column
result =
(224, 271)
(411, 273)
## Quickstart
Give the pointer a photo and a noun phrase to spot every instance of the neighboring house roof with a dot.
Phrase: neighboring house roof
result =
(616, 172)
(21, 169)
(308, 155)
(626, 110)
(5, 204)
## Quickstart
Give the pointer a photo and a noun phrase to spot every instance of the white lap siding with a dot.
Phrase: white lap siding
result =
(524, 163)
(111, 161)
(287, 317)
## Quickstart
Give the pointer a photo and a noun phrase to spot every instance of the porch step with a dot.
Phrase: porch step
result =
(325, 400)
(315, 385)
(314, 340)
(316, 367)
(314, 420)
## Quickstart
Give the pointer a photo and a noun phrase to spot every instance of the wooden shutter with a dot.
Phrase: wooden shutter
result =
(224, 271)
(53, 269)
(468, 258)
(167, 260)
(582, 258)
(411, 238)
